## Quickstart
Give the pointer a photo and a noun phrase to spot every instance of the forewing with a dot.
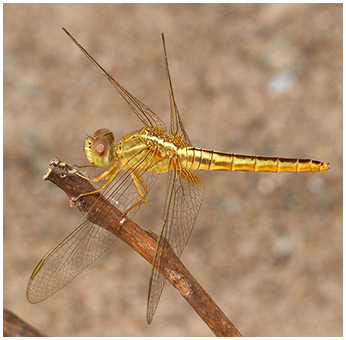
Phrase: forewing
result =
(81, 246)
(183, 201)
(146, 115)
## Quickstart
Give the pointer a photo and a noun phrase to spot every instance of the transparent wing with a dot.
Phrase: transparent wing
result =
(146, 115)
(82, 245)
(176, 125)
(76, 250)
(183, 201)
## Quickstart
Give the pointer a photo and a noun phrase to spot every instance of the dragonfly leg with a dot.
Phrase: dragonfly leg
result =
(110, 174)
(103, 176)
(140, 185)
(86, 166)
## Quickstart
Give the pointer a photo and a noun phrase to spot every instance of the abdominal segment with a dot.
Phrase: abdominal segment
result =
(208, 160)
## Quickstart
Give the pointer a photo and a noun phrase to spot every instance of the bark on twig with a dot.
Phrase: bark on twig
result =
(14, 326)
(144, 243)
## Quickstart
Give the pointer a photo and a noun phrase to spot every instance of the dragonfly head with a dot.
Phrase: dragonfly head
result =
(98, 147)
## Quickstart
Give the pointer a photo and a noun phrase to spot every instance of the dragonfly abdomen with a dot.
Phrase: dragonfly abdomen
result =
(209, 160)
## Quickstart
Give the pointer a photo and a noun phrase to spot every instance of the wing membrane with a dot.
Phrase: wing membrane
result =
(183, 201)
(82, 245)
(146, 115)
(176, 125)
(86, 242)
(76, 251)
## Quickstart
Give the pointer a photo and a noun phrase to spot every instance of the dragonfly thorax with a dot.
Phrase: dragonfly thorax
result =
(98, 148)
(165, 145)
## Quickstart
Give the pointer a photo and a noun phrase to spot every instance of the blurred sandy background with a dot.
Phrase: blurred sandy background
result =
(261, 79)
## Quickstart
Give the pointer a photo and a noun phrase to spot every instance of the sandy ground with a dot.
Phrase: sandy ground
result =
(258, 79)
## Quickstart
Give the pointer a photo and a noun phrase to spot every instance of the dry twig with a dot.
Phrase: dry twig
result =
(144, 243)
(14, 326)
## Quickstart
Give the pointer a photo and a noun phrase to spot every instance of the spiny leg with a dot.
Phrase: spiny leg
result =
(103, 176)
(140, 185)
(108, 175)
(87, 166)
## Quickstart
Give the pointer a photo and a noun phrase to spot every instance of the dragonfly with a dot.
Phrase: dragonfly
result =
(131, 168)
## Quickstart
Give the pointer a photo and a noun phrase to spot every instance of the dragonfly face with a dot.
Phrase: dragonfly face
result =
(98, 148)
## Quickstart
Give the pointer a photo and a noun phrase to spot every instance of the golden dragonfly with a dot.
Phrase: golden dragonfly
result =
(132, 167)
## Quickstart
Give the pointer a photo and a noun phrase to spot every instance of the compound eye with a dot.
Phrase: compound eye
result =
(100, 147)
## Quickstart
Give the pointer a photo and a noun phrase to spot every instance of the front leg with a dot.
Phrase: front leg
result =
(103, 176)
(108, 175)
(86, 166)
